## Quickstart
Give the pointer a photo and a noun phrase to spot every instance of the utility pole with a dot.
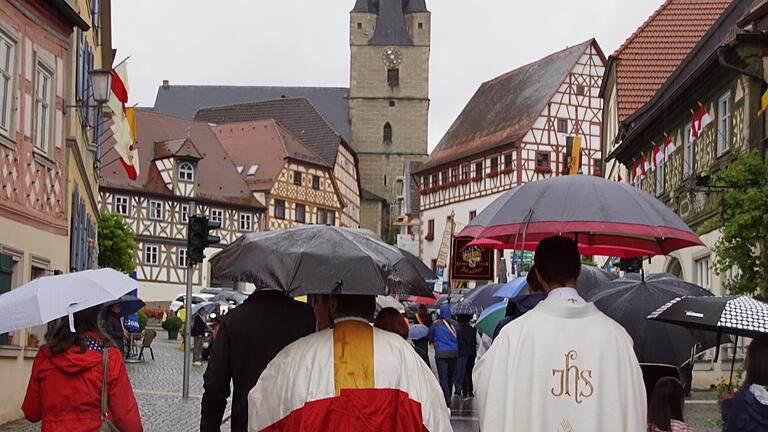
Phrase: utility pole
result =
(188, 315)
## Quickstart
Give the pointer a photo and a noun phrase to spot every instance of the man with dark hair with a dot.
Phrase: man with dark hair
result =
(349, 376)
(581, 374)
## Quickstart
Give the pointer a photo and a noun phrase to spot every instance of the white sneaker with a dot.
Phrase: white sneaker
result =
(197, 363)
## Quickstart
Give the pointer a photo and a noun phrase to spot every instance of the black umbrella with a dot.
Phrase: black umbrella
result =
(739, 316)
(477, 299)
(319, 259)
(629, 300)
(592, 279)
(129, 304)
(424, 271)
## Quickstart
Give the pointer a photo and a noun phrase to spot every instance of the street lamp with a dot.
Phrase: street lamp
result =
(101, 83)
(101, 87)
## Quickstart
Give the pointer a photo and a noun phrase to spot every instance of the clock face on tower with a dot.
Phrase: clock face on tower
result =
(392, 57)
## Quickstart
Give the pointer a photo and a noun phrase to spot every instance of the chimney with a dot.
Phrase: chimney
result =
(166, 84)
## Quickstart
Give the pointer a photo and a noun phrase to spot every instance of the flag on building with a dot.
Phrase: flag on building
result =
(573, 148)
(669, 147)
(619, 179)
(694, 126)
(763, 103)
(633, 173)
(704, 118)
(123, 131)
(644, 166)
(658, 156)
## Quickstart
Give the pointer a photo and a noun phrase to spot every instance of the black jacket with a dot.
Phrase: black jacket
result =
(114, 327)
(198, 326)
(249, 337)
(467, 340)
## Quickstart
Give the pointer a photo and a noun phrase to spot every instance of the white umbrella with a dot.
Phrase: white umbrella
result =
(48, 298)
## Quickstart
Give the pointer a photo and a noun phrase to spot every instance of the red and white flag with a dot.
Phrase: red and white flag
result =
(122, 131)
(619, 179)
(704, 118)
(644, 166)
(695, 125)
(669, 147)
(658, 156)
(354, 377)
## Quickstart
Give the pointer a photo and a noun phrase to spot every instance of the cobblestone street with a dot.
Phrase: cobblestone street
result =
(157, 386)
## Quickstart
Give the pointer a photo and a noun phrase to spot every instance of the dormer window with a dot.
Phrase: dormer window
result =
(186, 172)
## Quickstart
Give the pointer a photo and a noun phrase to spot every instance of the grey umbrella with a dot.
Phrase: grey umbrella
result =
(629, 300)
(604, 217)
(319, 259)
(591, 279)
(424, 271)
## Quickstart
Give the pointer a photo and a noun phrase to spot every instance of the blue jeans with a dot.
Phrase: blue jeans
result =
(446, 371)
(464, 367)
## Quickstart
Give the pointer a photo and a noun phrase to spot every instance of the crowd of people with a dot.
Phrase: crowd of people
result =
(554, 363)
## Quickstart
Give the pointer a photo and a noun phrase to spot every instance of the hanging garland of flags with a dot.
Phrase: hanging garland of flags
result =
(700, 119)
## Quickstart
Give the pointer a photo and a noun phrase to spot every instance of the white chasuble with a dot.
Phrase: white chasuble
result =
(562, 367)
(353, 378)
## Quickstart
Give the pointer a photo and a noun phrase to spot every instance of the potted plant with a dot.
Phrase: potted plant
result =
(172, 325)
(142, 318)
(32, 340)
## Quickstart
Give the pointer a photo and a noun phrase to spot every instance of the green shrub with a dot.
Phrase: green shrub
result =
(172, 323)
(142, 320)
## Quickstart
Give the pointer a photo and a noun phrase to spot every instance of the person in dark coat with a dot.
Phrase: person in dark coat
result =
(519, 305)
(747, 409)
(467, 336)
(198, 332)
(114, 327)
(249, 337)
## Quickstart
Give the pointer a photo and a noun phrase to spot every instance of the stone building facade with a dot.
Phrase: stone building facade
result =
(388, 95)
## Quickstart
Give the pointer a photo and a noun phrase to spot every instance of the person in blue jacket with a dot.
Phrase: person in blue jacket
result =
(747, 409)
(443, 335)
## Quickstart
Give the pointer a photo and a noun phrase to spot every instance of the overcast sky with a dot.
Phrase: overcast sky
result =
(305, 42)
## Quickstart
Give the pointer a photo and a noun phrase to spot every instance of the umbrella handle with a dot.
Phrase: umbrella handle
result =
(71, 317)
(733, 361)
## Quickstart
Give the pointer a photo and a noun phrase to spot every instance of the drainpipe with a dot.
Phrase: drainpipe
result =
(763, 87)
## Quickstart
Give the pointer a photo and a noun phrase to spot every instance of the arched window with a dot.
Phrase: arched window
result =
(186, 172)
(387, 132)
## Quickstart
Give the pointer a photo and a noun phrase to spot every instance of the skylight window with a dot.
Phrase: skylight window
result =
(240, 169)
(252, 170)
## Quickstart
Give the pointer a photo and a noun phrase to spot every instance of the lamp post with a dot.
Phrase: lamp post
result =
(101, 83)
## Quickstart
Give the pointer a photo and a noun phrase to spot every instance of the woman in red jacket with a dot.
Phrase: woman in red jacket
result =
(64, 390)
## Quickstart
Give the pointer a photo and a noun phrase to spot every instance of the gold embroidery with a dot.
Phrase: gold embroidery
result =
(572, 374)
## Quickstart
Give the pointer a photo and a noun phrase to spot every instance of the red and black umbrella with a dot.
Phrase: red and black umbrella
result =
(604, 217)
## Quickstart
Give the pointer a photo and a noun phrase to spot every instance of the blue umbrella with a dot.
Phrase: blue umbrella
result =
(417, 331)
(511, 288)
(129, 304)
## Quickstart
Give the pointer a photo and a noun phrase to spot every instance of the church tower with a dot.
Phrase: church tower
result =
(388, 96)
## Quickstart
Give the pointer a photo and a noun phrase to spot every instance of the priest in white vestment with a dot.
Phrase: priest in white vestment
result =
(354, 378)
(564, 365)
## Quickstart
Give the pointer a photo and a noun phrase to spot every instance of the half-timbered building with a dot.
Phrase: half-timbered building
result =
(512, 131)
(300, 117)
(639, 67)
(298, 186)
(724, 72)
(184, 171)
(35, 75)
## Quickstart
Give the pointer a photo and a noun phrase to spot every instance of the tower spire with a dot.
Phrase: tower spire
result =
(390, 25)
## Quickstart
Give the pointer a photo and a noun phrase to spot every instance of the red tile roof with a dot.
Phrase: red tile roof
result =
(267, 144)
(656, 48)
